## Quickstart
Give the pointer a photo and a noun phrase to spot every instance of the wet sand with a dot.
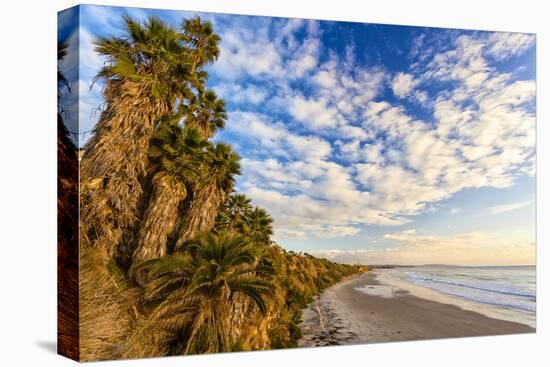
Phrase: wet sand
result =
(344, 315)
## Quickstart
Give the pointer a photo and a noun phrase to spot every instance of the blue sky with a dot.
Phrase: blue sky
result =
(369, 143)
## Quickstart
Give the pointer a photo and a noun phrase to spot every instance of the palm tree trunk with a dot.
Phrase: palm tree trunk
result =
(202, 213)
(115, 159)
(159, 221)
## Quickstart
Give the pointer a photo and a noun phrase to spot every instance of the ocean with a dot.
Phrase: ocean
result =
(506, 292)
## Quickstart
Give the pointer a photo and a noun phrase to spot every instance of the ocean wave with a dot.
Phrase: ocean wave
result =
(474, 289)
(487, 287)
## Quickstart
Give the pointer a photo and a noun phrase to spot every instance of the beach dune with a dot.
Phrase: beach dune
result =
(361, 310)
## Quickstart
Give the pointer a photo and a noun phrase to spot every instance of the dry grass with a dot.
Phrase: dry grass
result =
(106, 306)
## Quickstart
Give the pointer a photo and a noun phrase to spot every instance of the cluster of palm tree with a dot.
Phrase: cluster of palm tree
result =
(239, 216)
(153, 186)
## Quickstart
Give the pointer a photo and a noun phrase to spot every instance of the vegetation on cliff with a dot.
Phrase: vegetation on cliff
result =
(172, 259)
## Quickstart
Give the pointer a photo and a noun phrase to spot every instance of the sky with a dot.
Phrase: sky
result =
(367, 143)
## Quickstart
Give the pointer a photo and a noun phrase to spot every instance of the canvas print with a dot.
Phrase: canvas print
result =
(239, 183)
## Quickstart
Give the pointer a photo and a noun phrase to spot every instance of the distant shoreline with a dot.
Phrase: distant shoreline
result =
(344, 315)
(393, 266)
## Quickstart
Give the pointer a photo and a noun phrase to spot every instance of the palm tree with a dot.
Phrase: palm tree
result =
(206, 113)
(175, 156)
(237, 210)
(238, 216)
(201, 40)
(145, 76)
(259, 226)
(221, 223)
(192, 294)
(216, 182)
(61, 80)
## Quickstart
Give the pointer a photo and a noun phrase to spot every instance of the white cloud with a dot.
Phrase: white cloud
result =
(307, 61)
(275, 139)
(393, 121)
(354, 132)
(325, 79)
(299, 208)
(503, 45)
(403, 84)
(421, 96)
(416, 47)
(244, 54)
(241, 94)
(308, 147)
(316, 114)
(318, 231)
(373, 153)
(90, 62)
(339, 92)
(80, 66)
(105, 17)
(499, 209)
(398, 191)
(260, 54)
(351, 151)
(410, 248)
(464, 63)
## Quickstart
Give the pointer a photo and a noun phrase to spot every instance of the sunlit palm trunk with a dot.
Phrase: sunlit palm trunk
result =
(209, 330)
(114, 161)
(202, 214)
(159, 221)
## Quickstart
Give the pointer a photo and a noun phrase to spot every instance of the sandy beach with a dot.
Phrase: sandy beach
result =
(362, 310)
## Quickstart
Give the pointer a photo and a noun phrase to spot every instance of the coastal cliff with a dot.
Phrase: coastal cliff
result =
(300, 277)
